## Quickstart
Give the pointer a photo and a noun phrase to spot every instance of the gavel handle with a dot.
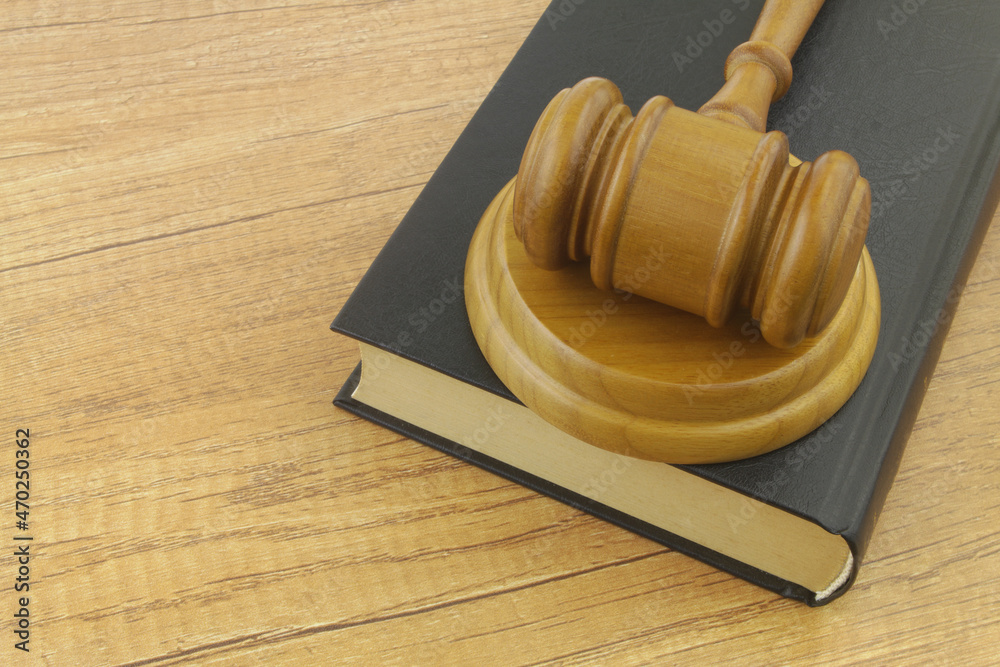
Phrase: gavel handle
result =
(785, 22)
(759, 71)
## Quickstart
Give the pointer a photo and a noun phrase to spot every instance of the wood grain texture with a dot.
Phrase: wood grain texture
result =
(743, 225)
(642, 379)
(190, 192)
(759, 71)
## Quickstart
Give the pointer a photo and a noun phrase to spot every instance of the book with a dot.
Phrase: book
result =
(911, 90)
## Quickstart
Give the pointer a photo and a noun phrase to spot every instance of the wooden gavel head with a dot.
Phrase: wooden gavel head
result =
(737, 222)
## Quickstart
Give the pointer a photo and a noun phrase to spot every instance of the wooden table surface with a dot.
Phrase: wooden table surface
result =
(190, 192)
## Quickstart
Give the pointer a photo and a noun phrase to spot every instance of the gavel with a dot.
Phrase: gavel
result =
(742, 223)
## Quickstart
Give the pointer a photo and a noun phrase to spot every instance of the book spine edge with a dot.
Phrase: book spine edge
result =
(860, 537)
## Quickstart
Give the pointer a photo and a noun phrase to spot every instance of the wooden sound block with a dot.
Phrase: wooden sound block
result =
(646, 380)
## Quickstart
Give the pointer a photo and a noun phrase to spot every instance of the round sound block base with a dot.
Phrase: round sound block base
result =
(643, 379)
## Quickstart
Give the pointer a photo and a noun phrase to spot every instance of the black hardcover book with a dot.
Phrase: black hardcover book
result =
(911, 90)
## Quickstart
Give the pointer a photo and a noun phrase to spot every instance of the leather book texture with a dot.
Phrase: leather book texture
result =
(910, 89)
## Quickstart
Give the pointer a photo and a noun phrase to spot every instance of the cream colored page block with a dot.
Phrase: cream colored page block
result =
(696, 509)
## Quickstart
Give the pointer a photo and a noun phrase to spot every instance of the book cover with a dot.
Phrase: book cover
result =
(911, 90)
